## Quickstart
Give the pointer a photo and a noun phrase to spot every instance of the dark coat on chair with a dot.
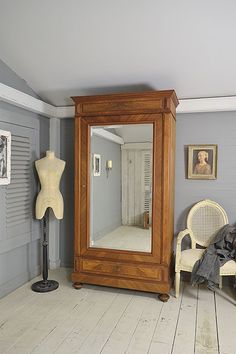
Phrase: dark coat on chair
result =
(221, 250)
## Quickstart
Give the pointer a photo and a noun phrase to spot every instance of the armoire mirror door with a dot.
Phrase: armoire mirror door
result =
(92, 166)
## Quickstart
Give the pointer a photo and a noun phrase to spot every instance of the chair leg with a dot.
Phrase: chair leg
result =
(220, 283)
(177, 284)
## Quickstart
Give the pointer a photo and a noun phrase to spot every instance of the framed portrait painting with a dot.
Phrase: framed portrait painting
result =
(96, 165)
(202, 161)
(5, 157)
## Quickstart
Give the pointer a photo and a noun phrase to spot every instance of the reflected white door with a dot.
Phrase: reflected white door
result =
(136, 183)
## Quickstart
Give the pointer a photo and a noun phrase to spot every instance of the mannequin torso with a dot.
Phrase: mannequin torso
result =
(49, 170)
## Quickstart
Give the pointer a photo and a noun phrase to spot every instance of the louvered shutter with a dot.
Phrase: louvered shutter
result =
(18, 193)
(147, 182)
(17, 224)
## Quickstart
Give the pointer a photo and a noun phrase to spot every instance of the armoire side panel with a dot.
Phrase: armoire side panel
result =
(168, 187)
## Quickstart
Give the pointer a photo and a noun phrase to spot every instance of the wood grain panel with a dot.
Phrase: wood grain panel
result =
(122, 106)
(84, 201)
(168, 188)
(119, 282)
(77, 161)
(157, 189)
(122, 119)
(121, 269)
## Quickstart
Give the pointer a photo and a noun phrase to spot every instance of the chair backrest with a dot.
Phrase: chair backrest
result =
(205, 219)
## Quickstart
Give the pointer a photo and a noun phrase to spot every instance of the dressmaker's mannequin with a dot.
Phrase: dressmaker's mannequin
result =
(50, 170)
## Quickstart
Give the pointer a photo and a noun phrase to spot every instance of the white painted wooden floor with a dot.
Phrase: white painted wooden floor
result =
(111, 321)
(127, 238)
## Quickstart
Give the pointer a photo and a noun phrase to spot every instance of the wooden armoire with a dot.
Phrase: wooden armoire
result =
(146, 271)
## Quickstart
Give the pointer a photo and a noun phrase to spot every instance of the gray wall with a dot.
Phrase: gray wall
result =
(9, 77)
(105, 189)
(199, 128)
(20, 263)
(67, 189)
(206, 128)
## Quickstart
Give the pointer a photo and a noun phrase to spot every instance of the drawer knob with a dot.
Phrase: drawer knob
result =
(116, 268)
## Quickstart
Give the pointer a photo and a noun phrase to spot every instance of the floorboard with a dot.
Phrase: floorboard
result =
(123, 332)
(162, 340)
(99, 332)
(140, 341)
(206, 326)
(184, 340)
(226, 320)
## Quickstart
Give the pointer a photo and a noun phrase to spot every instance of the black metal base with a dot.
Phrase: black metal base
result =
(44, 286)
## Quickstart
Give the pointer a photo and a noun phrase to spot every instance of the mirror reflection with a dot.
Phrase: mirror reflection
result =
(121, 187)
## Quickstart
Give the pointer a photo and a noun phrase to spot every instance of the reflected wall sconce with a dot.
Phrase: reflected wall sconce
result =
(108, 166)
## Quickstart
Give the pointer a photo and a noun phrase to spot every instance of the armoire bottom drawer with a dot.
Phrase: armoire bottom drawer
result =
(121, 269)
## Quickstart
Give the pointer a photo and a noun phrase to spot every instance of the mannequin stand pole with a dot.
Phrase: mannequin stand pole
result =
(45, 285)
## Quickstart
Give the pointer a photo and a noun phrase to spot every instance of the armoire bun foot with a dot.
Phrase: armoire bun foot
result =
(164, 297)
(77, 285)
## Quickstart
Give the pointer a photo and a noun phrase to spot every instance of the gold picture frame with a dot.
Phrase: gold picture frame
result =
(202, 161)
(5, 157)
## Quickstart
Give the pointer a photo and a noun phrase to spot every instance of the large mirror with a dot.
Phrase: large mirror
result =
(121, 187)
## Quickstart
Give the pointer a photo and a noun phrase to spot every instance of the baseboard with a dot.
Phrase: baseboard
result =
(67, 264)
(54, 264)
(18, 281)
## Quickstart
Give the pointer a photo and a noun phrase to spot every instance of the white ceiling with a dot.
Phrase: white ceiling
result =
(74, 47)
(135, 133)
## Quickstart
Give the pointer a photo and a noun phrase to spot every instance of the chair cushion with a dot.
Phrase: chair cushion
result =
(228, 268)
(189, 257)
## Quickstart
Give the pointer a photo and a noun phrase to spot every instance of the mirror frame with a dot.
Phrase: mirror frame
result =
(82, 187)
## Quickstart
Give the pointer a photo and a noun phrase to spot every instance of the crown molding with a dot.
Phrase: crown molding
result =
(65, 112)
(211, 104)
(188, 105)
(25, 101)
(107, 135)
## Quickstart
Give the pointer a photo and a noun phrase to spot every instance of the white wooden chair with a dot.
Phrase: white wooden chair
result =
(204, 220)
